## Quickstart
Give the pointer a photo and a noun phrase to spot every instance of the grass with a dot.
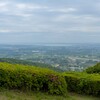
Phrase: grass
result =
(75, 96)
(18, 95)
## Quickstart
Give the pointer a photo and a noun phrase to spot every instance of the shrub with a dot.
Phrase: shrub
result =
(14, 76)
(83, 83)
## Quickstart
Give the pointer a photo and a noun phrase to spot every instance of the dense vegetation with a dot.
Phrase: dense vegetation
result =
(94, 69)
(15, 76)
(83, 83)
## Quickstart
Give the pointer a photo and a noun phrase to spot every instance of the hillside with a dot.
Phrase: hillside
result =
(94, 69)
(30, 63)
(36, 79)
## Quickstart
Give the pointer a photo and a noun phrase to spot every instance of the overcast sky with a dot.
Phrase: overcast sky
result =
(49, 21)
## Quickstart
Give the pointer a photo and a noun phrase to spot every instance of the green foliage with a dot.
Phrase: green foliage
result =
(83, 83)
(24, 62)
(30, 63)
(94, 69)
(15, 76)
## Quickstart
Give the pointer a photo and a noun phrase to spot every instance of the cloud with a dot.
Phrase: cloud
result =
(2, 4)
(24, 6)
(3, 7)
(63, 10)
(4, 31)
(63, 17)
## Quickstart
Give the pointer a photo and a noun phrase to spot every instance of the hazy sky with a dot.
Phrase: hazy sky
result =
(49, 21)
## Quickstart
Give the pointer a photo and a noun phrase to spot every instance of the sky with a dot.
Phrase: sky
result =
(49, 21)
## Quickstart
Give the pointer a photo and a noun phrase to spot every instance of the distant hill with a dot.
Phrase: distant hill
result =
(94, 69)
(25, 62)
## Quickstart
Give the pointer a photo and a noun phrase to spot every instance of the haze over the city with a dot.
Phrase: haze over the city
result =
(49, 21)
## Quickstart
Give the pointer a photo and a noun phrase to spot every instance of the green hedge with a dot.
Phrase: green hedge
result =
(14, 76)
(83, 83)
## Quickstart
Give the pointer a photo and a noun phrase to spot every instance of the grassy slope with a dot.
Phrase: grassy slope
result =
(17, 95)
(30, 63)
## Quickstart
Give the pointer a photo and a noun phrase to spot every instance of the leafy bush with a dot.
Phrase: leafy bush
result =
(83, 83)
(14, 76)
(94, 69)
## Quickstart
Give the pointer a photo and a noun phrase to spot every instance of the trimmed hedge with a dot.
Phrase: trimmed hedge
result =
(14, 76)
(83, 83)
